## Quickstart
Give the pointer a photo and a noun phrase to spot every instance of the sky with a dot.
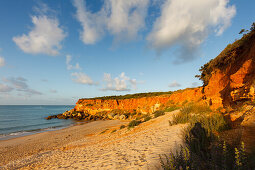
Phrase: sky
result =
(56, 52)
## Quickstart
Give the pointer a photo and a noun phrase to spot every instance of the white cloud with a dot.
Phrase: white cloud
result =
(174, 84)
(69, 66)
(122, 18)
(5, 88)
(120, 83)
(187, 23)
(2, 62)
(82, 78)
(92, 24)
(20, 84)
(133, 83)
(44, 38)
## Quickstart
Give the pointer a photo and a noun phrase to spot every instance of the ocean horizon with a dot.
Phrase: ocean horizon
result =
(21, 120)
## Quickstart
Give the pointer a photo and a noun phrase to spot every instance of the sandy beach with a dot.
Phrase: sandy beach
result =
(86, 147)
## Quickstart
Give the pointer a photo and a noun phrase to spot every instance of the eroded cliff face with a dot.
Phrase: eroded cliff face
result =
(235, 82)
(142, 105)
(232, 80)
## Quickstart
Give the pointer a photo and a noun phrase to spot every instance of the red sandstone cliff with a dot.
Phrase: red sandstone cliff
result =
(228, 80)
(142, 105)
(232, 78)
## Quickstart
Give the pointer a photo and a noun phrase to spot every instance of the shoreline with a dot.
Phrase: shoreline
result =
(95, 145)
(23, 146)
(4, 137)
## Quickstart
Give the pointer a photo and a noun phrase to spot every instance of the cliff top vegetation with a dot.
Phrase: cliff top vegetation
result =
(137, 95)
(130, 96)
(228, 56)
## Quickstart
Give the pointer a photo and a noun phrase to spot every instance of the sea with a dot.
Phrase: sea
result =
(21, 120)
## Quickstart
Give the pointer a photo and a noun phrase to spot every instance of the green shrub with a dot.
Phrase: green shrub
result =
(180, 118)
(212, 122)
(158, 113)
(114, 130)
(203, 150)
(147, 118)
(122, 126)
(171, 108)
(134, 123)
(104, 131)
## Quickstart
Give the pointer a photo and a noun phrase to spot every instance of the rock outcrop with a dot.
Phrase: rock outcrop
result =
(232, 74)
(142, 105)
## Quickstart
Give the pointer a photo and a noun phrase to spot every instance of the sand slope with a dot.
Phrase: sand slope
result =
(138, 148)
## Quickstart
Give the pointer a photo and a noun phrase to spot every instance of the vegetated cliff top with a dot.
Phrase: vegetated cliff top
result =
(131, 96)
(229, 55)
(137, 95)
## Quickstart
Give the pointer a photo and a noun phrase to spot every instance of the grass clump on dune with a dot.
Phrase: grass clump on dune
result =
(115, 130)
(171, 108)
(203, 146)
(104, 131)
(193, 113)
(202, 150)
(158, 113)
(147, 118)
(122, 126)
(134, 123)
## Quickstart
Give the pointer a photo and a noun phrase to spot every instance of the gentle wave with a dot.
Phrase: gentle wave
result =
(19, 127)
(16, 120)
(29, 132)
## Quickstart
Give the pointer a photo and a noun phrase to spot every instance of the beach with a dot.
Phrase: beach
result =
(94, 145)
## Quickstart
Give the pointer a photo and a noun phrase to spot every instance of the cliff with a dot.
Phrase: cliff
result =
(228, 80)
(142, 105)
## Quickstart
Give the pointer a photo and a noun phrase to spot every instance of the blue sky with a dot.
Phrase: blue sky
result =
(55, 52)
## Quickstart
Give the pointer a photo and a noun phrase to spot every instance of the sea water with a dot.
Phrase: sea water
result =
(20, 120)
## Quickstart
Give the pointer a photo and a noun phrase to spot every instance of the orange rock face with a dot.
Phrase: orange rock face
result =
(235, 83)
(227, 86)
(143, 105)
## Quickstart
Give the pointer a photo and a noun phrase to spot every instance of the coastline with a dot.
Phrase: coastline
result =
(23, 120)
(23, 146)
(32, 132)
(86, 147)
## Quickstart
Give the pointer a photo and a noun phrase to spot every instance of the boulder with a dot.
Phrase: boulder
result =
(51, 117)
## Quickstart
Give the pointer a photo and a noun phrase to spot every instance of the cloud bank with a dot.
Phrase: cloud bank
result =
(19, 84)
(187, 23)
(121, 18)
(183, 24)
(44, 38)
